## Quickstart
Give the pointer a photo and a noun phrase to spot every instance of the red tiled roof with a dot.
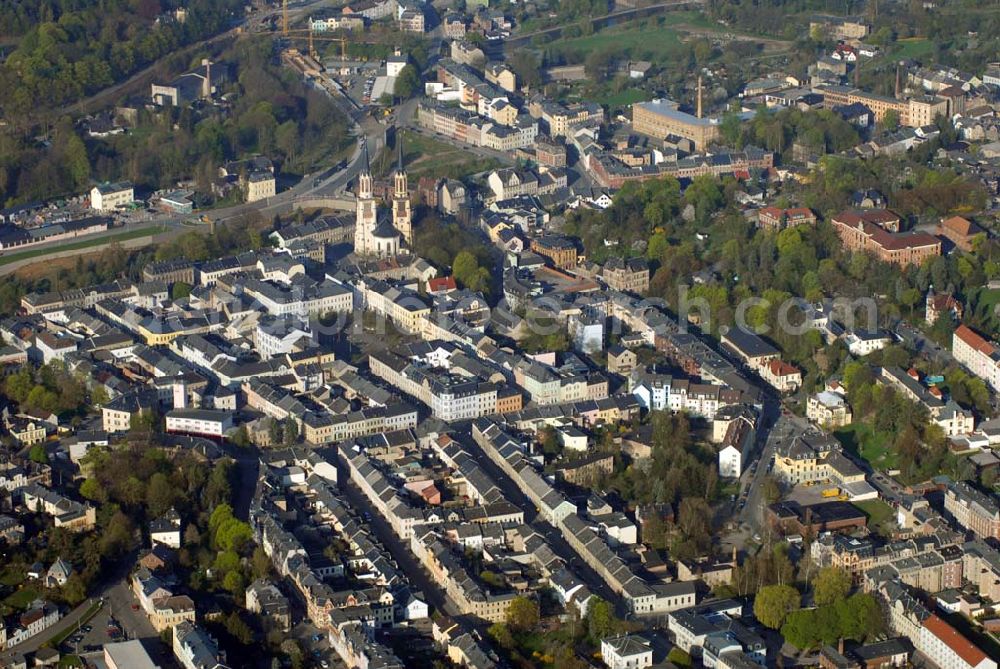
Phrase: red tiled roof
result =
(441, 283)
(877, 216)
(974, 339)
(781, 368)
(954, 640)
(800, 212)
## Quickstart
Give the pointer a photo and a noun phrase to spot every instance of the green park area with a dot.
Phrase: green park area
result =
(874, 447)
(647, 41)
(428, 157)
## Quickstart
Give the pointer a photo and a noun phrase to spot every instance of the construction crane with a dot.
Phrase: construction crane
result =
(309, 33)
(311, 38)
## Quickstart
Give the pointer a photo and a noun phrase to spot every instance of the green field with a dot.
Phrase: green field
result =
(913, 47)
(646, 42)
(86, 243)
(22, 598)
(872, 446)
(426, 156)
(624, 98)
(876, 510)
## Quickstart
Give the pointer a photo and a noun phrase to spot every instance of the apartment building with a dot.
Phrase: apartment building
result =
(111, 196)
(979, 356)
(829, 410)
(973, 510)
(200, 422)
(626, 275)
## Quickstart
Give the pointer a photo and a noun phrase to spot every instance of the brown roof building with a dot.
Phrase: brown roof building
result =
(960, 231)
(900, 248)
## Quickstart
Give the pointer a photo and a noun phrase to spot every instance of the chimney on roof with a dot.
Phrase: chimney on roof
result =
(699, 96)
(897, 82)
(840, 645)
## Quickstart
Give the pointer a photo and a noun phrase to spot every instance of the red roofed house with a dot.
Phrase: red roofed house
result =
(784, 377)
(961, 231)
(775, 218)
(948, 648)
(441, 285)
(858, 233)
(939, 304)
(976, 354)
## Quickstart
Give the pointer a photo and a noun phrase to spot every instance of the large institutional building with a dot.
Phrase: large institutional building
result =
(661, 118)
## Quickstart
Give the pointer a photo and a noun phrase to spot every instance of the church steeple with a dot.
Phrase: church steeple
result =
(399, 178)
(401, 214)
(366, 188)
(366, 219)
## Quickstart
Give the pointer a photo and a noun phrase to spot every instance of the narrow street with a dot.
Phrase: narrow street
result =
(417, 575)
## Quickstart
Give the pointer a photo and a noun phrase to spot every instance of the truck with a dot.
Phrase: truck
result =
(831, 492)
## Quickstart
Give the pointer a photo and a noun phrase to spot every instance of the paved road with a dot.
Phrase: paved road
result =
(114, 593)
(515, 495)
(400, 552)
(916, 340)
(248, 24)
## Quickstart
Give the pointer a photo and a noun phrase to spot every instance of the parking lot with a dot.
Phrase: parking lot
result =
(821, 491)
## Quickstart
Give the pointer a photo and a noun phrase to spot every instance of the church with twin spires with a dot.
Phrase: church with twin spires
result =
(382, 239)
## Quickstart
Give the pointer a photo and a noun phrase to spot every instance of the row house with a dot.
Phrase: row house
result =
(973, 510)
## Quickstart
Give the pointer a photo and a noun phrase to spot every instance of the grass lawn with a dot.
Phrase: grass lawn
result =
(876, 510)
(623, 99)
(86, 243)
(862, 440)
(22, 598)
(647, 41)
(426, 156)
(913, 47)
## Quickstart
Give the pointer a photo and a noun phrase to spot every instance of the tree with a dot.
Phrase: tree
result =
(890, 121)
(500, 633)
(180, 290)
(800, 628)
(74, 591)
(680, 657)
(773, 604)
(525, 65)
(38, 454)
(601, 621)
(831, 585)
(241, 437)
(160, 494)
(274, 431)
(238, 627)
(93, 490)
(407, 83)
(234, 583)
(731, 128)
(523, 614)
(291, 431)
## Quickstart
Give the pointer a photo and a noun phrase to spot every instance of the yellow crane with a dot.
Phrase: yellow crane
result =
(308, 33)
